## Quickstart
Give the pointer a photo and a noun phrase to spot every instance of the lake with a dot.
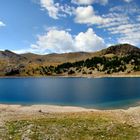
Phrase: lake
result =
(101, 93)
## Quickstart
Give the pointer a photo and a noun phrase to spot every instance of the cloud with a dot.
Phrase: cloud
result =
(119, 22)
(125, 30)
(86, 15)
(89, 41)
(122, 25)
(29, 50)
(50, 7)
(126, 9)
(89, 2)
(61, 41)
(127, 1)
(134, 40)
(55, 10)
(113, 20)
(129, 33)
(2, 24)
(55, 41)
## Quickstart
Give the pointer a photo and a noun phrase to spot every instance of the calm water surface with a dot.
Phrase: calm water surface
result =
(103, 93)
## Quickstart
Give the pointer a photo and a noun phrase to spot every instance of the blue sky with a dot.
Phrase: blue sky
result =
(59, 26)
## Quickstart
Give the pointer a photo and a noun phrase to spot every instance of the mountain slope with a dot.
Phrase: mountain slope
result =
(55, 59)
(127, 59)
(122, 49)
(11, 55)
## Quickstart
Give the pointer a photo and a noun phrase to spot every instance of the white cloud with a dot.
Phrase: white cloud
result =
(89, 2)
(2, 24)
(55, 41)
(50, 7)
(129, 33)
(122, 25)
(55, 10)
(49, 28)
(61, 41)
(22, 51)
(126, 31)
(128, 1)
(89, 41)
(133, 38)
(118, 22)
(66, 10)
(114, 20)
(86, 15)
(86, 2)
(126, 9)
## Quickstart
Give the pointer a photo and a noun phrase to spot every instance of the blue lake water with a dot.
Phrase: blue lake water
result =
(103, 93)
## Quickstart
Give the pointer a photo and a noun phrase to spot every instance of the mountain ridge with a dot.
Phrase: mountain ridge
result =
(32, 64)
(119, 49)
(122, 49)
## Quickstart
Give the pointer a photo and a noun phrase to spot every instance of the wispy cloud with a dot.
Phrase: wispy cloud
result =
(56, 10)
(128, 0)
(2, 24)
(89, 2)
(126, 9)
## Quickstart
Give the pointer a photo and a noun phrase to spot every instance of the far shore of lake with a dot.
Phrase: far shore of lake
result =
(97, 75)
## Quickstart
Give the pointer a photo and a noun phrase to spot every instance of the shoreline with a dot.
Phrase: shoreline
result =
(18, 115)
(42, 108)
(21, 122)
(8, 112)
(79, 76)
(56, 108)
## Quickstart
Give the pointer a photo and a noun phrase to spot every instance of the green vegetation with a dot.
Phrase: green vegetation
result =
(106, 65)
(82, 126)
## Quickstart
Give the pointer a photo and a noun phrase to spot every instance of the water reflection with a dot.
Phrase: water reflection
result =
(101, 93)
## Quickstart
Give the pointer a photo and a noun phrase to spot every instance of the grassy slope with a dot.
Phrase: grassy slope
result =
(72, 126)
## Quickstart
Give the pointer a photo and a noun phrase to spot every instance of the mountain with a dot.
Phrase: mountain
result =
(55, 59)
(121, 50)
(34, 64)
(11, 55)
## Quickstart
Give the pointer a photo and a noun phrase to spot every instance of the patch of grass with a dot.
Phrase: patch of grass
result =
(72, 127)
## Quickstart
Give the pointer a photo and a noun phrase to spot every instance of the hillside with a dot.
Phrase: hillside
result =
(123, 58)
(121, 50)
(59, 58)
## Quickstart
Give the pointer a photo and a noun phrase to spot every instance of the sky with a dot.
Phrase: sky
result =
(61, 26)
